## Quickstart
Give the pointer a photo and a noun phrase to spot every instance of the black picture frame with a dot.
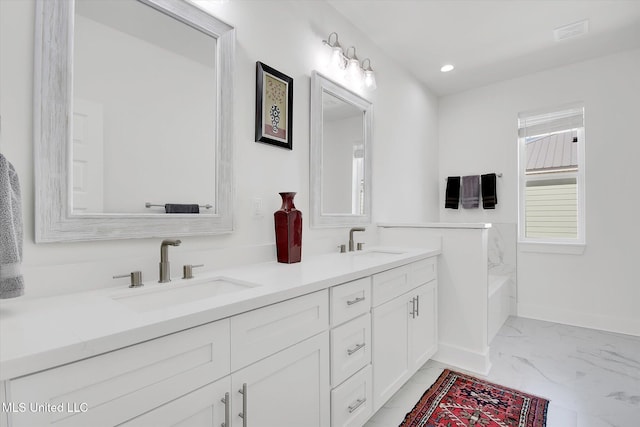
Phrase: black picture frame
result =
(276, 89)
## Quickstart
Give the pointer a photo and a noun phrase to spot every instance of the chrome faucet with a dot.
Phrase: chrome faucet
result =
(165, 271)
(351, 245)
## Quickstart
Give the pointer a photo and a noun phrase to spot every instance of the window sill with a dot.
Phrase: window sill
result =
(552, 248)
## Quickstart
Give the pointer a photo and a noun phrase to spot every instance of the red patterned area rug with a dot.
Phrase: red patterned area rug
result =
(459, 400)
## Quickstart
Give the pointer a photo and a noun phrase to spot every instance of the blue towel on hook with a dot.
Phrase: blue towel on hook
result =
(11, 232)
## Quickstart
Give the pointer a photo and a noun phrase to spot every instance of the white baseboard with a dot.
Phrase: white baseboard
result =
(586, 320)
(463, 358)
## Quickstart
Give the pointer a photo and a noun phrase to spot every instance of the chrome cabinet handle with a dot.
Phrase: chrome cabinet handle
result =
(356, 405)
(413, 308)
(243, 414)
(350, 351)
(226, 402)
(418, 305)
(354, 301)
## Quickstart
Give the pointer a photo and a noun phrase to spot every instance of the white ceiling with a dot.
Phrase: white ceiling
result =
(489, 40)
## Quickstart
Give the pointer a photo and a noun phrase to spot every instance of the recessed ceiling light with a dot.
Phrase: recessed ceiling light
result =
(446, 68)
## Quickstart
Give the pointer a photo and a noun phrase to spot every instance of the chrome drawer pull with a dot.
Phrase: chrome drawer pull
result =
(356, 405)
(418, 305)
(227, 405)
(243, 414)
(354, 301)
(413, 308)
(354, 349)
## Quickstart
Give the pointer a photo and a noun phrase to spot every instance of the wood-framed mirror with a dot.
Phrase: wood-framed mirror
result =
(133, 107)
(340, 155)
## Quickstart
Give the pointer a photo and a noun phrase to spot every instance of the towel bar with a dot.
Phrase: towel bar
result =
(499, 175)
(149, 205)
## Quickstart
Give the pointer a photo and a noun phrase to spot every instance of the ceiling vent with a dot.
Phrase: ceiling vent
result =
(572, 30)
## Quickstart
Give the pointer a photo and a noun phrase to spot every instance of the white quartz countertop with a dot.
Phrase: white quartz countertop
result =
(38, 334)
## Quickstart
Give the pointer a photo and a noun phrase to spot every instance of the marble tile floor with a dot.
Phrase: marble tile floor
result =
(592, 378)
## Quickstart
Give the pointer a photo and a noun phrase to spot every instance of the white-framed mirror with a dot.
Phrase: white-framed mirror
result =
(132, 111)
(340, 155)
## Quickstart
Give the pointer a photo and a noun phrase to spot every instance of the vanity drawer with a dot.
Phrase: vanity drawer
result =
(350, 300)
(350, 348)
(392, 283)
(118, 386)
(352, 401)
(423, 271)
(259, 333)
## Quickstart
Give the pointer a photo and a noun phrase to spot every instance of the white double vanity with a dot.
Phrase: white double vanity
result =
(325, 342)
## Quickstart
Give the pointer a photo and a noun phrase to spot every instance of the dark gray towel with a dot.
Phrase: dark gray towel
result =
(11, 232)
(470, 191)
(452, 193)
(489, 192)
(178, 208)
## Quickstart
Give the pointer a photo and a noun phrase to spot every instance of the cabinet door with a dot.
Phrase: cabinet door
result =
(204, 407)
(423, 327)
(390, 358)
(287, 389)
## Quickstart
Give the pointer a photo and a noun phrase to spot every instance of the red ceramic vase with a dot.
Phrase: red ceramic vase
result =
(288, 222)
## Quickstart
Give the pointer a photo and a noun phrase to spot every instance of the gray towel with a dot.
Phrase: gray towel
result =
(11, 233)
(470, 191)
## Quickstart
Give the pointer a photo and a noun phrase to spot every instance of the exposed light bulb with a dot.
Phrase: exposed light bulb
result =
(353, 68)
(369, 79)
(337, 59)
(354, 71)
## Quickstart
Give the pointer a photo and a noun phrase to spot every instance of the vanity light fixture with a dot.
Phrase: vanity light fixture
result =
(356, 72)
(369, 77)
(337, 54)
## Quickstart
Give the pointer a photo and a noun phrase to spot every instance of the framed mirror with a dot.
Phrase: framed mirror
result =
(132, 112)
(340, 155)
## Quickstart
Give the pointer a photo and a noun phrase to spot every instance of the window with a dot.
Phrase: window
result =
(551, 158)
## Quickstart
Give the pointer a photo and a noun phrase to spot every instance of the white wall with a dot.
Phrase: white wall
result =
(599, 288)
(285, 35)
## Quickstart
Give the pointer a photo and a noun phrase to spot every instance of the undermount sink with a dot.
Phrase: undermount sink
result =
(376, 254)
(176, 293)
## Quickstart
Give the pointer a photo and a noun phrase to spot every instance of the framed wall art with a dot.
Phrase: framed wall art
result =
(274, 107)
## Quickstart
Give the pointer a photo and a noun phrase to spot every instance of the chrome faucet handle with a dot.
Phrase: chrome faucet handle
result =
(342, 248)
(187, 270)
(359, 246)
(136, 278)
